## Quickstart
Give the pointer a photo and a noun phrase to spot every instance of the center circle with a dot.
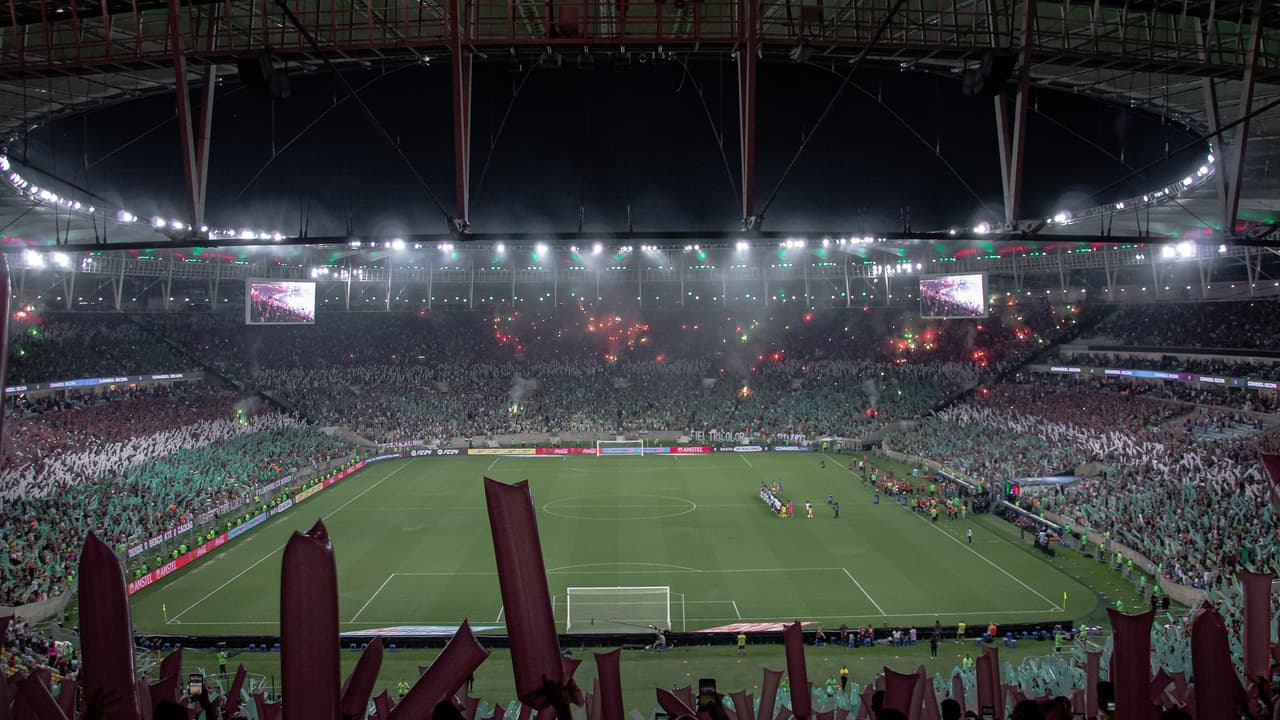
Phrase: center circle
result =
(616, 507)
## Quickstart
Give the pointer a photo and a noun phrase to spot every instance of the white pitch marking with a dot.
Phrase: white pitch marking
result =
(495, 462)
(240, 574)
(984, 559)
(864, 591)
(745, 460)
(371, 597)
(734, 603)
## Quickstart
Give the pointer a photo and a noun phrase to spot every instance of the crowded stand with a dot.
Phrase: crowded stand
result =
(127, 486)
(1197, 507)
(477, 400)
(68, 346)
(1243, 324)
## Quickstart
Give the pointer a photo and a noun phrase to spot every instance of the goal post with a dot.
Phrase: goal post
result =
(617, 609)
(619, 447)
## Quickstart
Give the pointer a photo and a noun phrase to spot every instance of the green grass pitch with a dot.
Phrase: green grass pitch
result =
(413, 548)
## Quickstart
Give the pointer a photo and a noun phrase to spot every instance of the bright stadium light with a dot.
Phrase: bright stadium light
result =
(597, 248)
(34, 259)
(61, 260)
(742, 245)
(157, 222)
(397, 244)
(541, 248)
(500, 249)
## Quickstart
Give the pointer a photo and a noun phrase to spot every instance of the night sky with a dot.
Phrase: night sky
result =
(603, 138)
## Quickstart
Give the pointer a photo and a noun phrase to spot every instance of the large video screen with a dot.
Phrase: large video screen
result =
(953, 296)
(279, 302)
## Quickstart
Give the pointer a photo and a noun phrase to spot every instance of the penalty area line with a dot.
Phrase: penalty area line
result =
(371, 597)
(495, 462)
(748, 462)
(266, 557)
(864, 592)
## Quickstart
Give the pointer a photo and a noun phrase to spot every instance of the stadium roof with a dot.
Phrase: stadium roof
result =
(63, 57)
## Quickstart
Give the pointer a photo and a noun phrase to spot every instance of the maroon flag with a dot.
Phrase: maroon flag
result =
(826, 715)
(1271, 462)
(899, 689)
(309, 660)
(5, 703)
(232, 700)
(157, 692)
(1092, 674)
(522, 579)
(842, 714)
(382, 702)
(67, 690)
(1131, 664)
(469, 707)
(35, 695)
(1078, 702)
(359, 687)
(929, 702)
(1218, 693)
(524, 712)
(1257, 625)
(1159, 684)
(990, 692)
(742, 705)
(450, 671)
(171, 664)
(609, 694)
(768, 693)
(498, 712)
(797, 674)
(673, 705)
(685, 695)
(864, 705)
(568, 667)
(106, 643)
(593, 702)
(957, 691)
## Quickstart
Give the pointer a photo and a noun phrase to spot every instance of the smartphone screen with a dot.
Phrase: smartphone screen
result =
(195, 684)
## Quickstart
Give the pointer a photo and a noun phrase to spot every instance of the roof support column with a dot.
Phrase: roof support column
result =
(749, 46)
(1246, 106)
(186, 137)
(1013, 149)
(1213, 114)
(460, 71)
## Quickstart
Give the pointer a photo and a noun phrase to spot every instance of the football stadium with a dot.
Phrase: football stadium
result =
(406, 359)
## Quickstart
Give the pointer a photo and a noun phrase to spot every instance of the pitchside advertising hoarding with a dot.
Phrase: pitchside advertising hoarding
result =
(1164, 375)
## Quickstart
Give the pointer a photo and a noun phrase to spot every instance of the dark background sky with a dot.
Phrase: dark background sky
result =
(605, 137)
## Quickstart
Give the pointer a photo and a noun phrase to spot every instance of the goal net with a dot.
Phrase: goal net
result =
(619, 447)
(617, 609)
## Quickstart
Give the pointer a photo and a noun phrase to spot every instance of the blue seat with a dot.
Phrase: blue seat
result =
(276, 647)
(392, 647)
(252, 648)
